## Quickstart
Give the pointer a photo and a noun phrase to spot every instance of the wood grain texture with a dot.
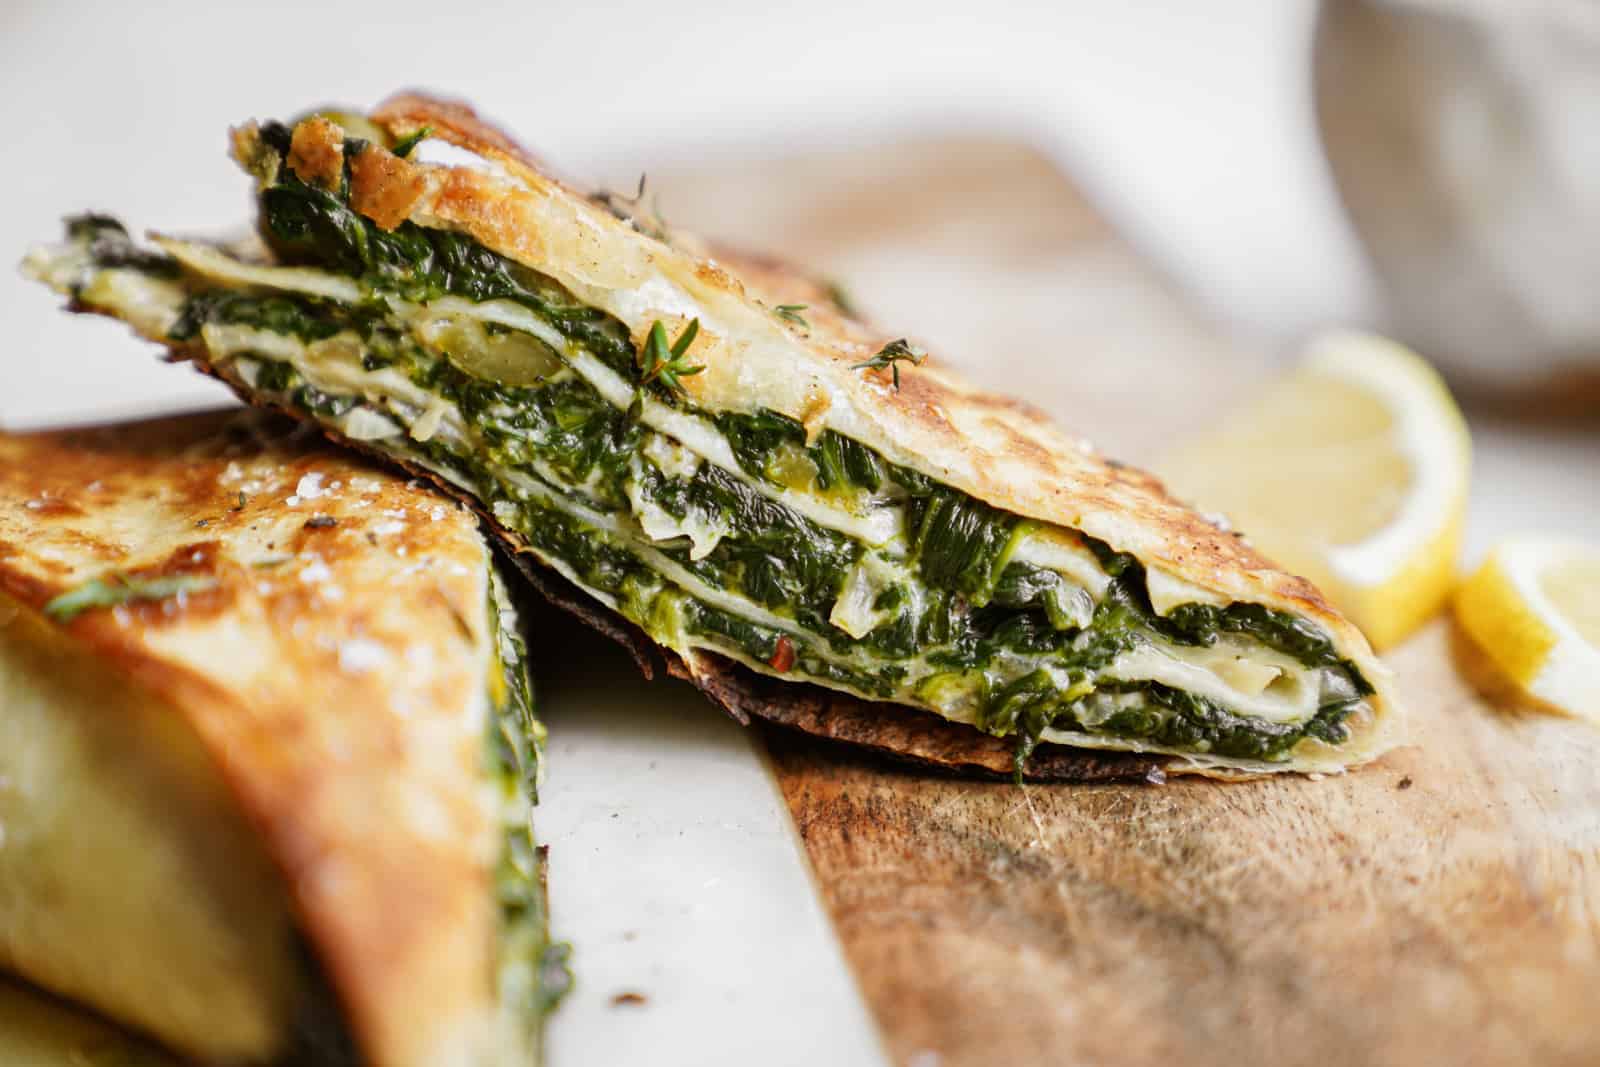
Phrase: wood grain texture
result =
(1441, 906)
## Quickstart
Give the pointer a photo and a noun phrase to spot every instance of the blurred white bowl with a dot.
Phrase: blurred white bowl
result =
(1465, 139)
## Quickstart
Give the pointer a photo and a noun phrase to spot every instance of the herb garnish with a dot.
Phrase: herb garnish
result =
(659, 360)
(891, 356)
(117, 588)
(644, 217)
(403, 147)
(791, 313)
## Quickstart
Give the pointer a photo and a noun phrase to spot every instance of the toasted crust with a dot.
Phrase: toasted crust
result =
(335, 673)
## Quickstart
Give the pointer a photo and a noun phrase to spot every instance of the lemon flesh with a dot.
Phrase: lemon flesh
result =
(1352, 471)
(1534, 609)
(1574, 589)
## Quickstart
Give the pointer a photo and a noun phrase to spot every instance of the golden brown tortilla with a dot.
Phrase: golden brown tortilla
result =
(312, 744)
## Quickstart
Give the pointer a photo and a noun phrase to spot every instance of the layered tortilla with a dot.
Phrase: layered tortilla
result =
(268, 749)
(712, 453)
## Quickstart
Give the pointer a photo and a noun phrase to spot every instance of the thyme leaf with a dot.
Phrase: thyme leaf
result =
(665, 362)
(791, 313)
(117, 588)
(891, 355)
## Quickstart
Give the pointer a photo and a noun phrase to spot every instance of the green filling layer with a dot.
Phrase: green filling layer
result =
(534, 973)
(980, 621)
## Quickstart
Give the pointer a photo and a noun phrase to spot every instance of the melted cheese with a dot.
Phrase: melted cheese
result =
(224, 340)
(1245, 678)
(211, 262)
(1064, 553)
(659, 524)
(149, 305)
(361, 423)
(854, 612)
(1167, 591)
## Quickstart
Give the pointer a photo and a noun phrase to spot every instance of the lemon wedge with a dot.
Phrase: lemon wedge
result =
(1534, 609)
(1352, 471)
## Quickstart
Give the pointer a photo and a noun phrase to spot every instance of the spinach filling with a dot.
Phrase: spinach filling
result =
(533, 971)
(979, 613)
(1014, 640)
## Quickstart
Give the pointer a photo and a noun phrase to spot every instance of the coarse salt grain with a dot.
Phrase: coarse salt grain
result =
(310, 487)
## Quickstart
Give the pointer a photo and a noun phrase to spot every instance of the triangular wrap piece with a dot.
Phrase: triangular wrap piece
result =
(268, 749)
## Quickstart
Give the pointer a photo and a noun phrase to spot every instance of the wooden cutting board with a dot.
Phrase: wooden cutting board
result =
(1442, 906)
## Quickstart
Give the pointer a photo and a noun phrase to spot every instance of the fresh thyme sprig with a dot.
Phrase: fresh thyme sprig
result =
(659, 361)
(791, 313)
(668, 363)
(403, 147)
(892, 355)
